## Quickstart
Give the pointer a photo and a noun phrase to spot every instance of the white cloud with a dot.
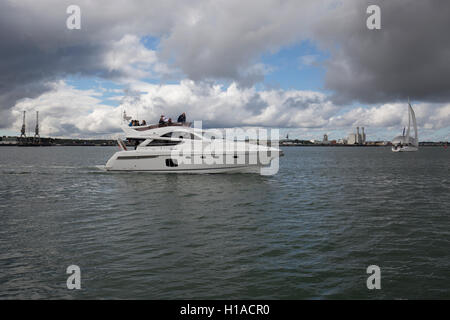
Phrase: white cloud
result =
(132, 60)
(66, 111)
(218, 105)
(395, 115)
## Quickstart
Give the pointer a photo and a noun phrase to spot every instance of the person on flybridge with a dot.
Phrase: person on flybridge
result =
(135, 123)
(182, 118)
(163, 121)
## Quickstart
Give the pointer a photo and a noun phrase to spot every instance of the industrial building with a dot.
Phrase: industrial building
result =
(357, 138)
(8, 140)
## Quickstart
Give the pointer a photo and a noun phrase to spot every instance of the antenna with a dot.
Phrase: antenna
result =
(125, 118)
(22, 131)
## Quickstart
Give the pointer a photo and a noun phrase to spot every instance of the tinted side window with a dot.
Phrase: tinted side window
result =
(171, 163)
(162, 143)
(180, 135)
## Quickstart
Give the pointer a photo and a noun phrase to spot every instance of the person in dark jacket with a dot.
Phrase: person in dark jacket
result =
(182, 118)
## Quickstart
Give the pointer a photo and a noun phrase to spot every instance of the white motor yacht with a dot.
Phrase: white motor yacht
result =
(182, 149)
(405, 142)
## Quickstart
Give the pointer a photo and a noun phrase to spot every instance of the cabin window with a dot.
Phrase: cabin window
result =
(171, 163)
(162, 143)
(174, 134)
(181, 135)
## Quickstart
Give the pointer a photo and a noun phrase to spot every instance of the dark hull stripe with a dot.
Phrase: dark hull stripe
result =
(194, 169)
(135, 157)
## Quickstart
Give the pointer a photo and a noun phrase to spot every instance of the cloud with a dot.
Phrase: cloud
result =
(68, 112)
(408, 57)
(219, 38)
(38, 49)
(231, 106)
(203, 40)
(213, 42)
(128, 59)
(394, 116)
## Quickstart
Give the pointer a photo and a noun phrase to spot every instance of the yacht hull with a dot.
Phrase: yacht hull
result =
(127, 161)
(209, 170)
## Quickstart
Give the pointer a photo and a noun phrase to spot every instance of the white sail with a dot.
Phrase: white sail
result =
(413, 117)
(409, 122)
(406, 142)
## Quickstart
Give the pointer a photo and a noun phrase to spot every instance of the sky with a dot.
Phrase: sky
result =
(307, 67)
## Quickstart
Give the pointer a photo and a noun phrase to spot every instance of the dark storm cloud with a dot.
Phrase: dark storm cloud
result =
(302, 103)
(37, 48)
(10, 94)
(35, 51)
(409, 56)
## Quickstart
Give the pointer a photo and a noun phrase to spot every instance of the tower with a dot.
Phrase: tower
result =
(37, 137)
(358, 137)
(22, 131)
(363, 136)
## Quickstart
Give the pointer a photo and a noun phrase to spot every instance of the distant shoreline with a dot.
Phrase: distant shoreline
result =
(56, 142)
(114, 144)
(353, 145)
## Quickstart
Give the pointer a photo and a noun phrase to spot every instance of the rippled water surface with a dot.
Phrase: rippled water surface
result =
(308, 232)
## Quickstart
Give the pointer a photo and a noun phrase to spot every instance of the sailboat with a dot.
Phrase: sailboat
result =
(406, 142)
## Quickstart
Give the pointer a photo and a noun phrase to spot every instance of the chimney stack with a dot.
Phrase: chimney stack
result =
(358, 137)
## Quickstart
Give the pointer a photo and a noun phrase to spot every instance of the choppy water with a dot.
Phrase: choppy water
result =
(308, 232)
